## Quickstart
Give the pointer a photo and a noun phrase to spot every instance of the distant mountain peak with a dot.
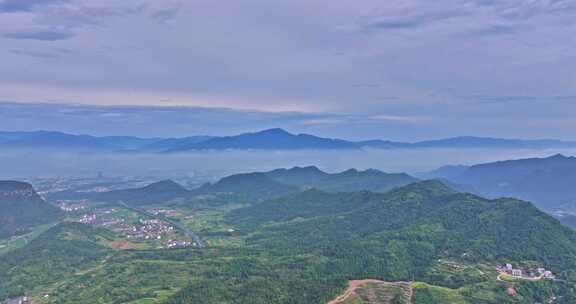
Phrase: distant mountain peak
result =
(350, 171)
(560, 156)
(274, 131)
(165, 185)
(305, 169)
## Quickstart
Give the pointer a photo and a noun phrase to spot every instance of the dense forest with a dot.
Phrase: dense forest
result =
(305, 247)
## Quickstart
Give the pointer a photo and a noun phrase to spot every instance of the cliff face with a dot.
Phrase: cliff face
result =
(14, 191)
(21, 209)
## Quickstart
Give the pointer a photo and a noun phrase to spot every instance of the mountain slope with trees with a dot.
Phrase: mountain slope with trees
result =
(305, 247)
(414, 225)
(547, 182)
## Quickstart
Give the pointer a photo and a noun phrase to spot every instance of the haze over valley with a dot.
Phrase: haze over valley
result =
(58, 154)
(287, 152)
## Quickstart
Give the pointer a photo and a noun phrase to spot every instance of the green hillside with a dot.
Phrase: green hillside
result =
(304, 249)
(280, 182)
(347, 181)
(419, 223)
(59, 252)
(252, 186)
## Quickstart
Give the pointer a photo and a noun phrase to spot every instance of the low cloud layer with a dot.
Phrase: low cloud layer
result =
(479, 117)
(42, 36)
(14, 6)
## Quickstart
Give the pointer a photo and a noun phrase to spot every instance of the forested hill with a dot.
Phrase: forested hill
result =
(412, 226)
(250, 185)
(56, 254)
(21, 208)
(547, 182)
(254, 186)
(276, 183)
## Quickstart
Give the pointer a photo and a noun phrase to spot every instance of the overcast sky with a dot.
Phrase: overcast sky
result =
(402, 70)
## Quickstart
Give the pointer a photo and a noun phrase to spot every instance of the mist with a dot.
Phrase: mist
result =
(19, 164)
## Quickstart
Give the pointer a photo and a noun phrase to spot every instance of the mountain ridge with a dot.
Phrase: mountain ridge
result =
(255, 185)
(269, 139)
(547, 182)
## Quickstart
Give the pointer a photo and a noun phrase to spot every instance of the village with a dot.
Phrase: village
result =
(133, 227)
(508, 271)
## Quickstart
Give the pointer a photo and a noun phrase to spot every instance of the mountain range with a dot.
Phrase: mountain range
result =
(271, 139)
(548, 182)
(255, 186)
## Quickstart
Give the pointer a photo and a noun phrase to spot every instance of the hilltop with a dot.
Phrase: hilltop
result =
(272, 139)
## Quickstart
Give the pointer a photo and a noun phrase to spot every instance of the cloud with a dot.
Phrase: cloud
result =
(412, 15)
(166, 14)
(346, 58)
(40, 35)
(506, 14)
(404, 22)
(13, 6)
(35, 54)
(493, 30)
(44, 54)
(500, 119)
(399, 118)
(80, 16)
(523, 10)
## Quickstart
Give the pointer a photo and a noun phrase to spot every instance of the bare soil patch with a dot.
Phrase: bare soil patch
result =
(375, 292)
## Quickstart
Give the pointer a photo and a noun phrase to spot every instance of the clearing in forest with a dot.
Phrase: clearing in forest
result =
(375, 292)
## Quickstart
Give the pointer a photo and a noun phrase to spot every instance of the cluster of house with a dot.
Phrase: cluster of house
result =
(177, 244)
(149, 229)
(144, 229)
(71, 206)
(93, 219)
(526, 273)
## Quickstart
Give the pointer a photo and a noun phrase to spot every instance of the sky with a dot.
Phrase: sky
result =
(400, 70)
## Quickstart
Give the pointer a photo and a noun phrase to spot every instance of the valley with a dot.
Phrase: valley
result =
(287, 152)
(306, 246)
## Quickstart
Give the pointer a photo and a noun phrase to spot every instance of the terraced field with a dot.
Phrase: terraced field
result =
(375, 292)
